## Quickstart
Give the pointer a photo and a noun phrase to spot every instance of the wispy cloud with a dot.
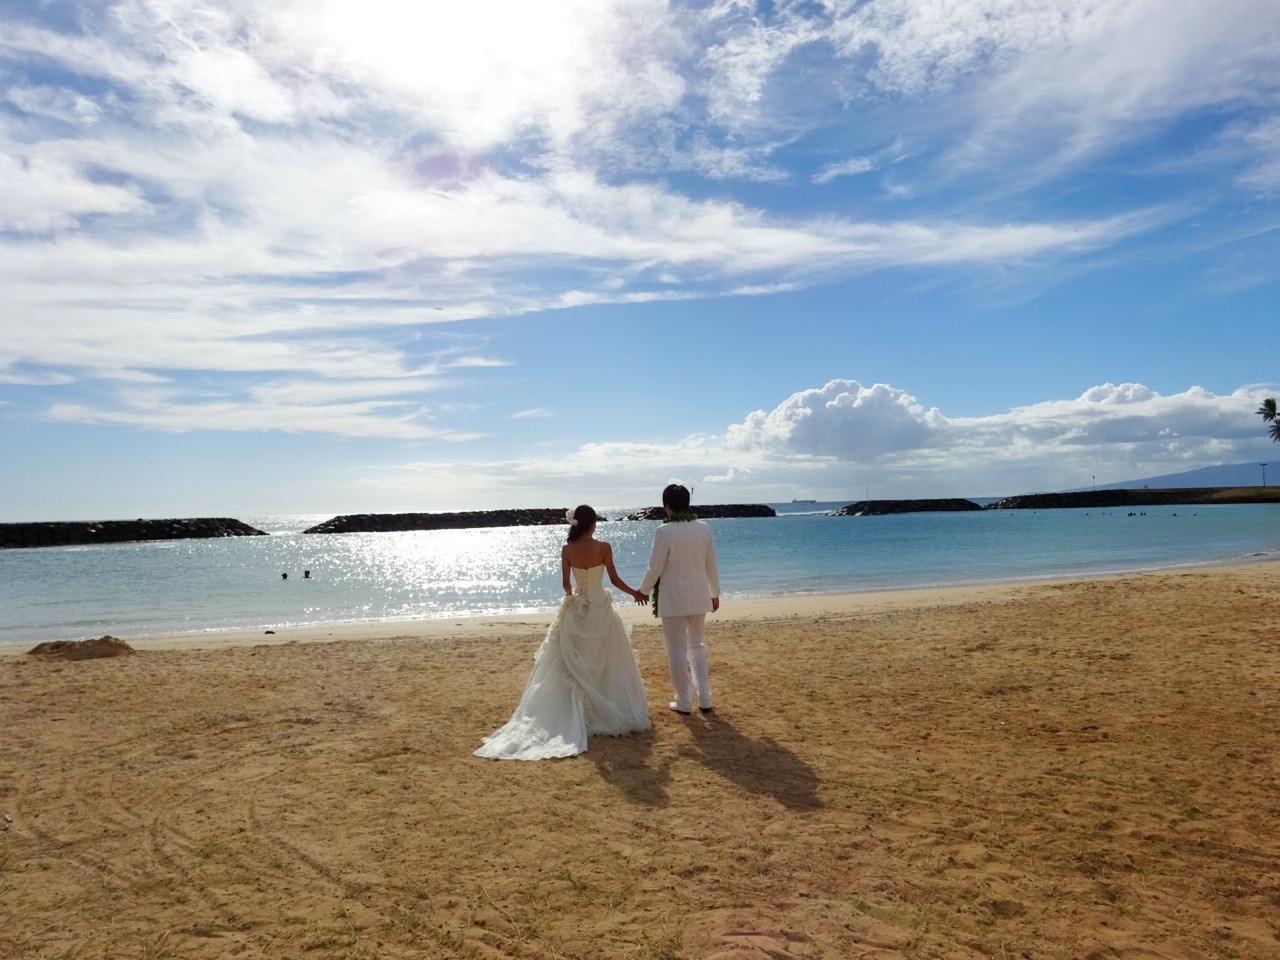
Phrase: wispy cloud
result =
(170, 411)
(1262, 142)
(844, 168)
(277, 197)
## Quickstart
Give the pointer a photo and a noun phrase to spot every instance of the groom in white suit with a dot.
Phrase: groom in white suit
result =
(683, 568)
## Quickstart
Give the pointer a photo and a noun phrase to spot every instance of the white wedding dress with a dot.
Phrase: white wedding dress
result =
(585, 680)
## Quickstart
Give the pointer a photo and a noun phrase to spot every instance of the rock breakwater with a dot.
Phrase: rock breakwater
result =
(1139, 497)
(876, 508)
(711, 511)
(63, 534)
(470, 519)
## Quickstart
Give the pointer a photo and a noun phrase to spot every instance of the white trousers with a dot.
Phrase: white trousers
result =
(687, 658)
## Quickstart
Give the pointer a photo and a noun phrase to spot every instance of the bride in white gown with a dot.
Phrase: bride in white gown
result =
(585, 677)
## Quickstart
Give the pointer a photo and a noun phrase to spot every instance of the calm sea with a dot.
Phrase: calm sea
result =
(135, 589)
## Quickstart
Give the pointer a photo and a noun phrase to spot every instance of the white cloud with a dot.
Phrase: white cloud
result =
(409, 256)
(1108, 426)
(1087, 91)
(919, 45)
(478, 362)
(282, 188)
(1263, 143)
(54, 104)
(483, 75)
(844, 168)
(742, 61)
(166, 410)
(302, 393)
(45, 193)
(842, 419)
(46, 378)
(836, 441)
(732, 475)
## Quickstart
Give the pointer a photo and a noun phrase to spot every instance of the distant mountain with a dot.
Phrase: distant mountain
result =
(1226, 475)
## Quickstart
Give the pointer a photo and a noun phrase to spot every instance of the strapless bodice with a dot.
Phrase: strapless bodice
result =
(590, 580)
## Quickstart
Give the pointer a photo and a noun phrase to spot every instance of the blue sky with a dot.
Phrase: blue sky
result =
(330, 256)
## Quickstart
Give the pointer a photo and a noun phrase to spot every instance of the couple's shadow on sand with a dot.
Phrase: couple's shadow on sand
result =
(762, 766)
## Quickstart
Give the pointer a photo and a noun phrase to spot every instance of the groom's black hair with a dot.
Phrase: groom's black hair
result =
(676, 496)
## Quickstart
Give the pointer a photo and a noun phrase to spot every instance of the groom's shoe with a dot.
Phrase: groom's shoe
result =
(675, 708)
(706, 709)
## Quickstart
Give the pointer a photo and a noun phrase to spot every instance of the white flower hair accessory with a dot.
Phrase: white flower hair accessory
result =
(568, 515)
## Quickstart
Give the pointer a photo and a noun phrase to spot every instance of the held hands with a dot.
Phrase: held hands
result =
(643, 600)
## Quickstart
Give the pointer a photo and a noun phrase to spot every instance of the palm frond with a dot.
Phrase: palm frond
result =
(1274, 430)
(1268, 409)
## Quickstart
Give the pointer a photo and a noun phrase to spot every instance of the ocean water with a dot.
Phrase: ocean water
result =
(136, 589)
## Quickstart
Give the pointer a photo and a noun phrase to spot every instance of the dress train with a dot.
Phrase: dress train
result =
(585, 680)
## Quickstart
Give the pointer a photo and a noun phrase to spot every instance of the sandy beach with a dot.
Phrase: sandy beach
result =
(1086, 769)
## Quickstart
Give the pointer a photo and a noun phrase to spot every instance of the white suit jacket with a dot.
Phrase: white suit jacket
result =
(684, 556)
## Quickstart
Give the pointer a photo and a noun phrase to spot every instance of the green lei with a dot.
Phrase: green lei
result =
(684, 516)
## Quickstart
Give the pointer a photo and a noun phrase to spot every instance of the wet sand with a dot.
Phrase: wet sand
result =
(1085, 769)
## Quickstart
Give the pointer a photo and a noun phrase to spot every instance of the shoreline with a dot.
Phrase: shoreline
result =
(781, 607)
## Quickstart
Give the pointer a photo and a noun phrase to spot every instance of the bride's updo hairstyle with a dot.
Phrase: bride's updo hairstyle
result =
(583, 518)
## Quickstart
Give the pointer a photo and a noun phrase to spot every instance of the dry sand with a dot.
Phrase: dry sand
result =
(1084, 770)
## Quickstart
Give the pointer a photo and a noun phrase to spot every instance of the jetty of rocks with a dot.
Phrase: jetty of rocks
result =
(1128, 497)
(63, 534)
(711, 511)
(393, 522)
(1140, 497)
(877, 508)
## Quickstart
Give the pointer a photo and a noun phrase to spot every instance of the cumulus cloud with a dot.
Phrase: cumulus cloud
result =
(1108, 427)
(842, 419)
(836, 441)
